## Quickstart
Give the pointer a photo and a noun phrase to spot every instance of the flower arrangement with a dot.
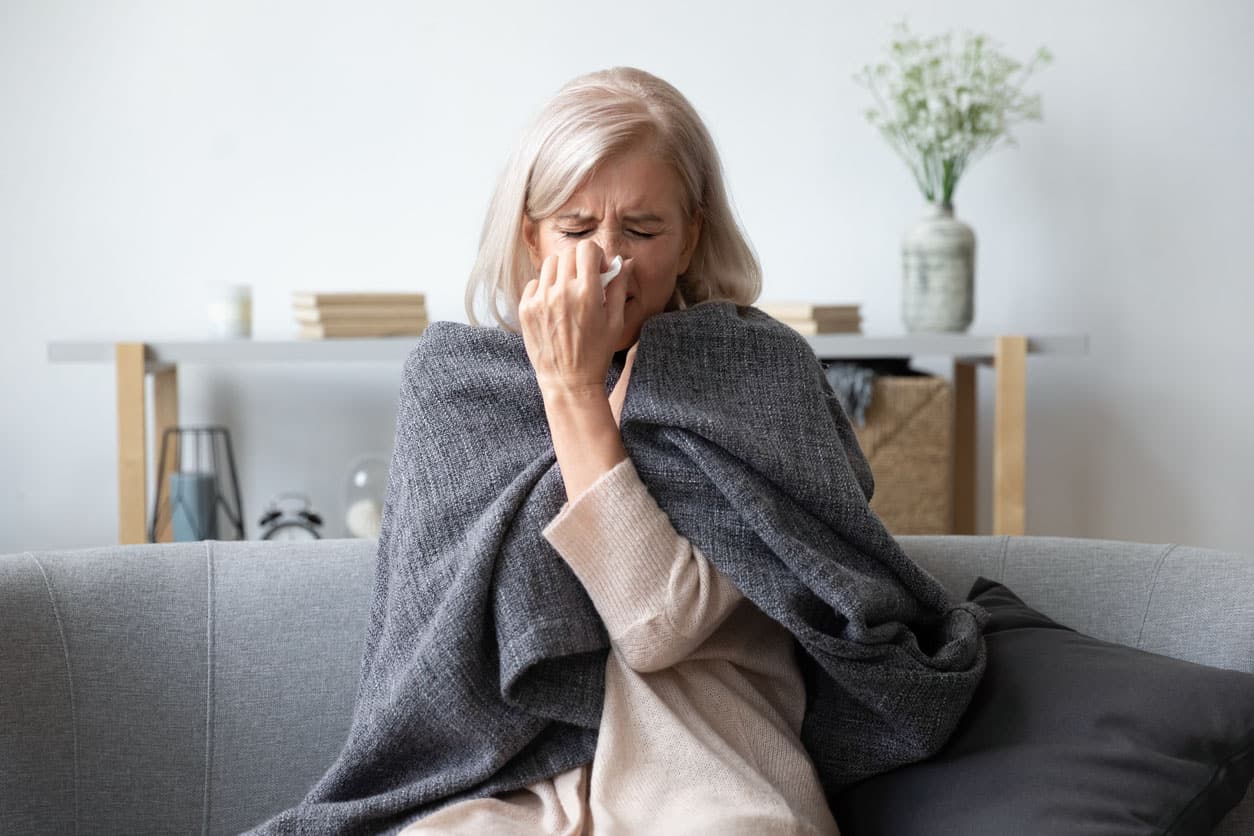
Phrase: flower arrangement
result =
(942, 109)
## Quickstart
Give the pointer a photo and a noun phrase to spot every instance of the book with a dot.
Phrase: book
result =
(805, 310)
(316, 300)
(835, 320)
(364, 313)
(321, 331)
(809, 326)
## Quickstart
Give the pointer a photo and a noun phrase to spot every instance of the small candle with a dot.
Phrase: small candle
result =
(230, 311)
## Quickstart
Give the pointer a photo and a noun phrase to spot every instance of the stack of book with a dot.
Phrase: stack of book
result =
(323, 315)
(809, 318)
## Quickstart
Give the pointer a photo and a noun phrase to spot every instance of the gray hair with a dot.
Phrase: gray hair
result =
(590, 119)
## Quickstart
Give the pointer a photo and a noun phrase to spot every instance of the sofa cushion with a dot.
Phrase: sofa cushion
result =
(1069, 734)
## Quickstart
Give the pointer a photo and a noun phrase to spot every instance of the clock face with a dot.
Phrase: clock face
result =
(291, 531)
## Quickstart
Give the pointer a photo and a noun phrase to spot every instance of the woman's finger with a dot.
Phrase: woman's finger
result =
(528, 289)
(548, 274)
(588, 260)
(565, 265)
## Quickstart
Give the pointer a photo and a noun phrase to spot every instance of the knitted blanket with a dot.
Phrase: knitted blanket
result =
(484, 662)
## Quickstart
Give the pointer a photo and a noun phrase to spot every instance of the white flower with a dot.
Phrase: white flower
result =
(941, 108)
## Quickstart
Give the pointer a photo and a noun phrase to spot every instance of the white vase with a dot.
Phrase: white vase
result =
(938, 272)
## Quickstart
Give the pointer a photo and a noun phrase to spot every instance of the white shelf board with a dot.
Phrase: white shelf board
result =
(971, 346)
(161, 352)
(396, 349)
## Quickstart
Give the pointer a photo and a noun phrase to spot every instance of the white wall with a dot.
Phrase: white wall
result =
(148, 147)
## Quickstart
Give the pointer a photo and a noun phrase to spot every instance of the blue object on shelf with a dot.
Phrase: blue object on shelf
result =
(193, 506)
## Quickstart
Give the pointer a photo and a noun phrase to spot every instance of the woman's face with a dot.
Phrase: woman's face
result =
(632, 206)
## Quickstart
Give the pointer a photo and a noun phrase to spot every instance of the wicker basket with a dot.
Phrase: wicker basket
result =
(908, 440)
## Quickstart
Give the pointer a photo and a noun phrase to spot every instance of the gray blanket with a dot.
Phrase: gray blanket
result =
(484, 662)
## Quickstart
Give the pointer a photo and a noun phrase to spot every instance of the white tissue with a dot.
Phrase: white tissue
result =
(615, 266)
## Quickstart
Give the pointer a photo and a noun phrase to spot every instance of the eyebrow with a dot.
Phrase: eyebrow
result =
(630, 216)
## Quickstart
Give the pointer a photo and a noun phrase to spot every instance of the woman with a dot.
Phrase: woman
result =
(703, 698)
(546, 652)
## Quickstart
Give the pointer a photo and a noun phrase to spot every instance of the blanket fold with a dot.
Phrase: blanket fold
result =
(484, 663)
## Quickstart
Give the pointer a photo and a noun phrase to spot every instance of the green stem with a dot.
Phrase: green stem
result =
(929, 170)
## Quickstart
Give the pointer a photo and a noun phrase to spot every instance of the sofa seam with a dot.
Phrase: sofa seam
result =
(69, 675)
(1005, 549)
(209, 682)
(1149, 599)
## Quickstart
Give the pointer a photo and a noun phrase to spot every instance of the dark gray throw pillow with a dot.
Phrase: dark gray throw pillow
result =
(1068, 734)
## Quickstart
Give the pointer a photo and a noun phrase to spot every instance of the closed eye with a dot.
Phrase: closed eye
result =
(579, 233)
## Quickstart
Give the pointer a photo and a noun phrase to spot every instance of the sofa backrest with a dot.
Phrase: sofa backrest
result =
(174, 689)
(202, 687)
(1189, 603)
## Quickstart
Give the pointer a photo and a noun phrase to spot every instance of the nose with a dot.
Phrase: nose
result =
(611, 242)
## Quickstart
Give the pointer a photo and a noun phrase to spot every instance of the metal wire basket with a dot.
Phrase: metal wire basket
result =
(197, 495)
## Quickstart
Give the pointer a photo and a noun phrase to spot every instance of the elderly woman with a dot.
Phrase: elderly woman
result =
(547, 652)
(703, 697)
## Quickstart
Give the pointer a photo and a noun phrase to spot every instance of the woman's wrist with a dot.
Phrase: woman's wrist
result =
(564, 393)
(585, 436)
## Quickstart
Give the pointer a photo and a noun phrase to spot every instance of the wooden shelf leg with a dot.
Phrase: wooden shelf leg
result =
(1010, 437)
(132, 444)
(966, 435)
(165, 396)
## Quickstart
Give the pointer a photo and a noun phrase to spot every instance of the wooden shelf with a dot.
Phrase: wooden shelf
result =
(134, 360)
(960, 346)
(396, 349)
(174, 352)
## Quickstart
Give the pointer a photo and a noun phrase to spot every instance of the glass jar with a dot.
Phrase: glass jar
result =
(363, 496)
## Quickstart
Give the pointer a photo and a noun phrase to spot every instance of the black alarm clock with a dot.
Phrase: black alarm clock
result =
(290, 517)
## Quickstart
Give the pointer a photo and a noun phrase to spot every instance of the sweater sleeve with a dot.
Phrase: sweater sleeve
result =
(658, 595)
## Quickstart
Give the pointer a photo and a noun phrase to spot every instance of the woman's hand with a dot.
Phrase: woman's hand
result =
(569, 332)
(570, 335)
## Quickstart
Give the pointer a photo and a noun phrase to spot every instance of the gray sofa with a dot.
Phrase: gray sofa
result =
(201, 687)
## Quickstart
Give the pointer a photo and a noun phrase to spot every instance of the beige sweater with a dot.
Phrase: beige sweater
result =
(703, 698)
